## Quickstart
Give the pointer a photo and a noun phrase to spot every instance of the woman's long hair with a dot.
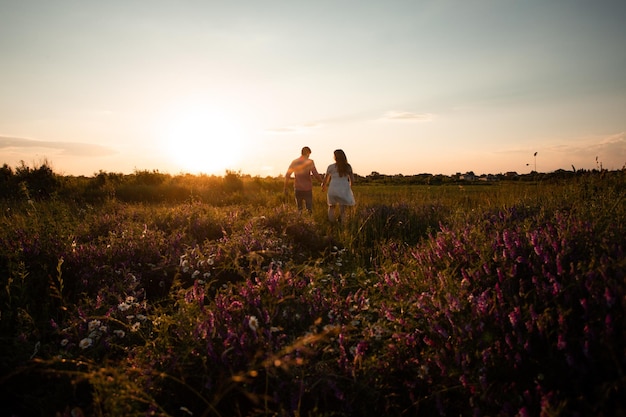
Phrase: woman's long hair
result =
(343, 167)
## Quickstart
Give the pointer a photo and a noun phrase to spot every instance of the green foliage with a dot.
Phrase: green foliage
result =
(158, 295)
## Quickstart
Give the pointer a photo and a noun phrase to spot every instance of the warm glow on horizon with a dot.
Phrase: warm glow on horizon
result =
(202, 139)
(404, 87)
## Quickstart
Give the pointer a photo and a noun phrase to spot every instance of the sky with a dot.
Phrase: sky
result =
(403, 87)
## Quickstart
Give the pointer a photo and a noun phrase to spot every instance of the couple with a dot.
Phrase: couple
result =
(338, 179)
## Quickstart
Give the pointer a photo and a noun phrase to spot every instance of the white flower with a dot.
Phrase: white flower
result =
(130, 299)
(119, 333)
(135, 327)
(93, 325)
(123, 307)
(195, 274)
(85, 343)
(253, 322)
(141, 317)
(64, 342)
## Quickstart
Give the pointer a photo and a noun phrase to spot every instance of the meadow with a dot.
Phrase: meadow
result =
(213, 296)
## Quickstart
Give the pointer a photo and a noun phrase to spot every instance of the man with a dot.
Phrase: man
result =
(303, 168)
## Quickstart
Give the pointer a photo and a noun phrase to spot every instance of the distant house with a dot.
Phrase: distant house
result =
(468, 176)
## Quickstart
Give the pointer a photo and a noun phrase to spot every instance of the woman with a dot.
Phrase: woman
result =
(339, 179)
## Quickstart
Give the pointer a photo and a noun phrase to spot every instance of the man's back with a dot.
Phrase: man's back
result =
(302, 168)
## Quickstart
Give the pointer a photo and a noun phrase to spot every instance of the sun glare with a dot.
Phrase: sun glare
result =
(203, 140)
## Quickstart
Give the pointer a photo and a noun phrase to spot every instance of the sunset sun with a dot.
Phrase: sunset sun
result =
(202, 139)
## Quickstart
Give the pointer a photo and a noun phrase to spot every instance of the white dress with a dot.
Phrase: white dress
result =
(339, 190)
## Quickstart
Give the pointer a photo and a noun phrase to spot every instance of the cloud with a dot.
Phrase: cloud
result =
(297, 129)
(610, 152)
(408, 116)
(66, 148)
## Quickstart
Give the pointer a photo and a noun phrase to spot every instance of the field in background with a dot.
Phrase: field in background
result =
(153, 295)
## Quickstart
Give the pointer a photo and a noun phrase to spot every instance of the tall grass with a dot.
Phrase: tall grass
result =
(500, 299)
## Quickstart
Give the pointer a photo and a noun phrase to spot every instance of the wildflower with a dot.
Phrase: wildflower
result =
(141, 317)
(135, 327)
(514, 316)
(119, 333)
(608, 296)
(64, 342)
(253, 323)
(423, 372)
(195, 274)
(93, 325)
(85, 343)
(583, 303)
(123, 306)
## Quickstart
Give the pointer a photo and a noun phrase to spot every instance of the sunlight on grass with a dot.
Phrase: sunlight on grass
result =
(505, 299)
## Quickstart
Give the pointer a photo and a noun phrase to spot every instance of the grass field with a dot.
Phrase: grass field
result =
(133, 297)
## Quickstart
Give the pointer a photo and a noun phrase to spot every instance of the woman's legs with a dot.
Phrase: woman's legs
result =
(342, 213)
(331, 213)
(333, 216)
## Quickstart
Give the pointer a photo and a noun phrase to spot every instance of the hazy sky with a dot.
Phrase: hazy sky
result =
(422, 86)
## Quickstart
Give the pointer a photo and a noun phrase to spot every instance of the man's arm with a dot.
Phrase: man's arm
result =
(315, 173)
(287, 177)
